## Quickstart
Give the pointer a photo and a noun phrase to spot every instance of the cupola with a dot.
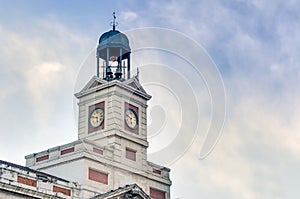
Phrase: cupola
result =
(113, 54)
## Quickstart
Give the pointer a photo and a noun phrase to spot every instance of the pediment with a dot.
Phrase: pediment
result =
(128, 191)
(94, 82)
(134, 83)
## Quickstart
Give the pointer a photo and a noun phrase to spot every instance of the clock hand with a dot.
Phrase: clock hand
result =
(129, 120)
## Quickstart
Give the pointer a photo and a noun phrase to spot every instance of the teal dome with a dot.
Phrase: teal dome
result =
(114, 38)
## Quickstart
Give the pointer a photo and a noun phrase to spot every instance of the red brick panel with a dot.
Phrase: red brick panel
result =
(98, 176)
(64, 191)
(27, 181)
(99, 151)
(65, 151)
(157, 171)
(42, 158)
(130, 154)
(157, 194)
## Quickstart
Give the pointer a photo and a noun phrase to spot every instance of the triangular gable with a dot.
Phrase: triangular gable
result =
(95, 81)
(134, 83)
(128, 191)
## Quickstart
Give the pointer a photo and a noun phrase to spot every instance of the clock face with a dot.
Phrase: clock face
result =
(131, 118)
(96, 117)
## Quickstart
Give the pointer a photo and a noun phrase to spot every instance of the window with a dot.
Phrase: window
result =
(98, 176)
(157, 194)
(130, 154)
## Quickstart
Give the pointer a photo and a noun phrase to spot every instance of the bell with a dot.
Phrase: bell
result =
(109, 73)
(118, 73)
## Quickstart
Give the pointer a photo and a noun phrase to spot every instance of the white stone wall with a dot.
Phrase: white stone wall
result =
(20, 182)
(74, 167)
(114, 98)
(13, 195)
(112, 140)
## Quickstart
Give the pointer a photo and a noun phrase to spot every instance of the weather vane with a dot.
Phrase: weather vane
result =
(114, 23)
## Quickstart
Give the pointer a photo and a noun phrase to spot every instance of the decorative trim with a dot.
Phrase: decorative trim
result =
(110, 84)
(109, 94)
(124, 192)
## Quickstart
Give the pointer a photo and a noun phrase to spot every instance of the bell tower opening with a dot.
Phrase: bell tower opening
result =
(113, 55)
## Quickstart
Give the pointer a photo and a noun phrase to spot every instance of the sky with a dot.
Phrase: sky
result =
(253, 44)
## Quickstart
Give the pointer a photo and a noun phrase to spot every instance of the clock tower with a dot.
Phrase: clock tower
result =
(111, 150)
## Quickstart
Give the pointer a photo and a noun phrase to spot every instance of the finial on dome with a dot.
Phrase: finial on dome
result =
(114, 23)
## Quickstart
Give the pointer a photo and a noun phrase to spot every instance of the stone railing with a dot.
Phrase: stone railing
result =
(68, 150)
(25, 181)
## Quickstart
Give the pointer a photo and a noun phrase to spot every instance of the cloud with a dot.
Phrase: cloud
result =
(255, 45)
(42, 83)
(37, 71)
(128, 16)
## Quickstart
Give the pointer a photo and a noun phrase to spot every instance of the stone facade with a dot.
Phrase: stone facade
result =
(126, 192)
(105, 150)
(22, 182)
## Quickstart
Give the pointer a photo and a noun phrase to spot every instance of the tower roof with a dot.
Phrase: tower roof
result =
(114, 38)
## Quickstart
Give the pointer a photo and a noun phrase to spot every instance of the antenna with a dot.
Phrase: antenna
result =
(137, 73)
(114, 23)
